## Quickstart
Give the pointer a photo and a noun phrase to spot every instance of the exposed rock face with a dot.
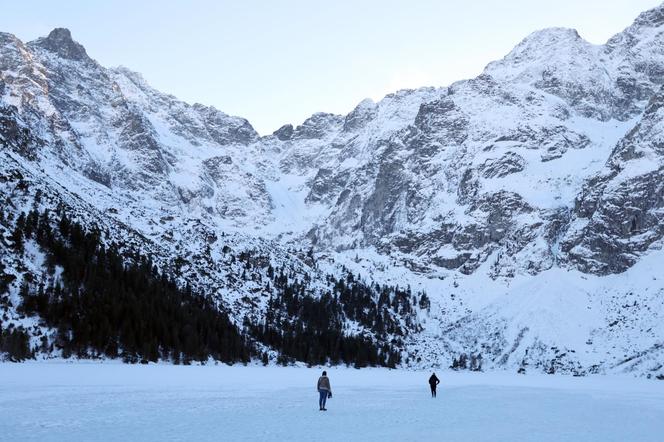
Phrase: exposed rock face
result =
(363, 113)
(14, 136)
(113, 127)
(317, 126)
(623, 208)
(59, 41)
(441, 119)
(474, 148)
(284, 133)
(551, 160)
(501, 167)
(420, 171)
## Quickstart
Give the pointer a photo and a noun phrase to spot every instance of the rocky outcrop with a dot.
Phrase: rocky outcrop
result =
(317, 126)
(60, 42)
(501, 167)
(623, 209)
(284, 133)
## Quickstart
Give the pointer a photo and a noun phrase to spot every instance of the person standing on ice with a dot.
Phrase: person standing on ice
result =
(433, 383)
(324, 390)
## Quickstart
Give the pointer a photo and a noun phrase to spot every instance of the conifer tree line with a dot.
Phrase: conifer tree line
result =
(103, 303)
(466, 362)
(14, 341)
(312, 329)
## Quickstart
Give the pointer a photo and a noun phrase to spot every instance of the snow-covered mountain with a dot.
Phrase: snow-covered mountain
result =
(527, 202)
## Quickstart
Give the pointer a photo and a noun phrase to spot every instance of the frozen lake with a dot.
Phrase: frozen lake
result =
(115, 402)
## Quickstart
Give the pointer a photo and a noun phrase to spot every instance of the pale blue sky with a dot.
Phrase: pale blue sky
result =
(277, 62)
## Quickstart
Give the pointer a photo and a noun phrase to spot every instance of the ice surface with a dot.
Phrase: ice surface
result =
(108, 402)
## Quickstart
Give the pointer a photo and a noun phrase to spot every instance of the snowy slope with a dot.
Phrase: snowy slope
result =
(527, 202)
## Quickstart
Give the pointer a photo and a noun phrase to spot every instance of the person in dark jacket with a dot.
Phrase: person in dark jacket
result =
(324, 390)
(433, 383)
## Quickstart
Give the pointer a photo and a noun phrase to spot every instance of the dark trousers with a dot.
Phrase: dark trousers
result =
(433, 390)
(322, 399)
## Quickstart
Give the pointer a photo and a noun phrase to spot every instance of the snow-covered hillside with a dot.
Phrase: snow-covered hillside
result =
(527, 203)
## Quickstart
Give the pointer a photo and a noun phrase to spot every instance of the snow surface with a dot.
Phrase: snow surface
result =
(108, 402)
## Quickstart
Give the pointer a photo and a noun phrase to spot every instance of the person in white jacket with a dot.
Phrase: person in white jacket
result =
(324, 390)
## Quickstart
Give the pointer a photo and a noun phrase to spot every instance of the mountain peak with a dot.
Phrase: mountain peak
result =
(61, 42)
(651, 18)
(550, 36)
(546, 47)
(643, 31)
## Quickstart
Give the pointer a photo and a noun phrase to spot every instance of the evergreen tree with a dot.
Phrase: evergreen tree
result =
(16, 344)
(425, 303)
(113, 305)
(17, 238)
